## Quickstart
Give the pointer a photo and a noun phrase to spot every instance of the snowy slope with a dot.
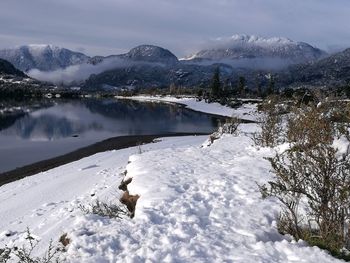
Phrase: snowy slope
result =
(48, 202)
(197, 204)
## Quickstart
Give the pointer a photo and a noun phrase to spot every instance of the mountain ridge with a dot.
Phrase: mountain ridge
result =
(240, 47)
(293, 63)
(7, 68)
(43, 57)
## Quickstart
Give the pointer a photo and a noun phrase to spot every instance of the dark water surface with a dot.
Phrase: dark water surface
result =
(47, 129)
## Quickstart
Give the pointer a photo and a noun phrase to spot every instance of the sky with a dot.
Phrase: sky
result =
(104, 27)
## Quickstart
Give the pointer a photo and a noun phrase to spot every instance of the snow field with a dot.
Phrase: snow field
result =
(48, 203)
(196, 205)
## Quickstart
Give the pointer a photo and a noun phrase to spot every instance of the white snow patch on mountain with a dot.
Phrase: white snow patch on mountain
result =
(256, 52)
(42, 56)
(255, 40)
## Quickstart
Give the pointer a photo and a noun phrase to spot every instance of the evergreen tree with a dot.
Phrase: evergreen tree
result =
(241, 86)
(271, 87)
(347, 90)
(215, 85)
(258, 88)
(227, 88)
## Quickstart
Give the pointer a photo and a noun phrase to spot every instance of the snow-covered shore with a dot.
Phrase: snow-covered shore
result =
(247, 111)
(48, 202)
(197, 204)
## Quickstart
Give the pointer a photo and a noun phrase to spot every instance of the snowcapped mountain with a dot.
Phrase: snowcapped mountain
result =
(42, 57)
(142, 53)
(149, 53)
(253, 51)
(152, 66)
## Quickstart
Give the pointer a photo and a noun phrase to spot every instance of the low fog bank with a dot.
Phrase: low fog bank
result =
(77, 73)
(248, 63)
(81, 72)
(74, 75)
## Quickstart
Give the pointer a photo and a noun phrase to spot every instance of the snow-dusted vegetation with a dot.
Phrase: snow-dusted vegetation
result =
(196, 202)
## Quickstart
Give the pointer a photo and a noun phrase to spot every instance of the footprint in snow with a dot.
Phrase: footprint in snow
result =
(49, 204)
(104, 172)
(7, 233)
(198, 197)
(89, 167)
(36, 214)
(15, 222)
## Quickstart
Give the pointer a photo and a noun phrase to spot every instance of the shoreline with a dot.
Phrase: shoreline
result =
(155, 99)
(114, 143)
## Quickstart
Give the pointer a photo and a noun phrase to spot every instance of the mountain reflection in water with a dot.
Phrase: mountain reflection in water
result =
(63, 126)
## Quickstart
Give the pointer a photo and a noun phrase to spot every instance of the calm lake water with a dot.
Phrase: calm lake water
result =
(47, 129)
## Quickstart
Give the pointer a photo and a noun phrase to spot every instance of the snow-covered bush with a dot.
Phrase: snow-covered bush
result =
(312, 181)
(5, 254)
(24, 254)
(100, 208)
(229, 127)
(308, 127)
(270, 124)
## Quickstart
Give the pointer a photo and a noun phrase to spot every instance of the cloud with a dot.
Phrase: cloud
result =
(250, 63)
(77, 73)
(113, 26)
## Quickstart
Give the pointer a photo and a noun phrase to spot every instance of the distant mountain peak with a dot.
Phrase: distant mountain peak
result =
(258, 40)
(44, 57)
(151, 53)
(251, 51)
(39, 46)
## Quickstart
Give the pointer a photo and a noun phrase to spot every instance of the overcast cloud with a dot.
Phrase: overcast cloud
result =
(103, 27)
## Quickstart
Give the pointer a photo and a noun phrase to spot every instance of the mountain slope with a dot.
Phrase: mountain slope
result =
(331, 71)
(42, 57)
(257, 52)
(155, 75)
(8, 69)
(143, 54)
(150, 53)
